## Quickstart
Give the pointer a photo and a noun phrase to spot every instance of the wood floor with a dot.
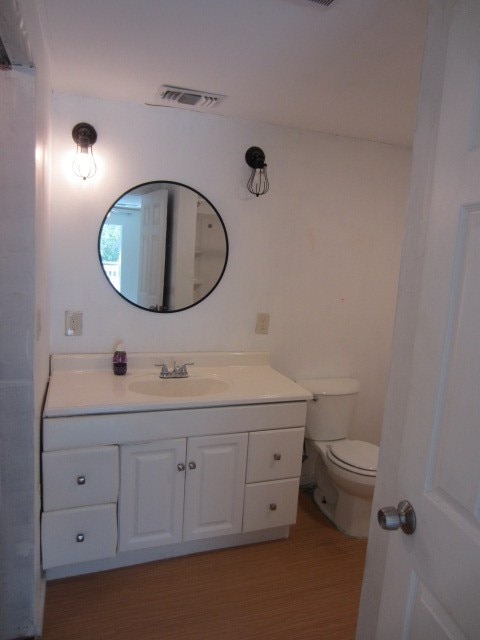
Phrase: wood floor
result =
(306, 587)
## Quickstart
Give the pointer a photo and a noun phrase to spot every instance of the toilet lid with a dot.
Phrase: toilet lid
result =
(358, 454)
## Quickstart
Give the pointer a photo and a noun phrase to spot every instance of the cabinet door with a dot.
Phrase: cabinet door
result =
(151, 494)
(215, 485)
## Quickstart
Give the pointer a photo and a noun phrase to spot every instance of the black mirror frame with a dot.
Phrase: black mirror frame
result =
(177, 184)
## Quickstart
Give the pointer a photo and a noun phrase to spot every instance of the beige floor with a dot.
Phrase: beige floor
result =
(306, 587)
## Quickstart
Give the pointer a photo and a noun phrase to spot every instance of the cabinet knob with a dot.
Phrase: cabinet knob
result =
(80, 537)
(181, 466)
(192, 465)
(273, 506)
(81, 480)
(277, 456)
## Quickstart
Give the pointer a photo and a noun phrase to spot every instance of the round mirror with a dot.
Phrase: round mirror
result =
(163, 246)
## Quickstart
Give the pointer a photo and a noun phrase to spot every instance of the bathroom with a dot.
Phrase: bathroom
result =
(320, 252)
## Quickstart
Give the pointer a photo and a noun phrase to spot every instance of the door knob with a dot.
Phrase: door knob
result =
(403, 517)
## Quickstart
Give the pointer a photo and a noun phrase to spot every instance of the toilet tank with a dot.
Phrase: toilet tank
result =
(329, 414)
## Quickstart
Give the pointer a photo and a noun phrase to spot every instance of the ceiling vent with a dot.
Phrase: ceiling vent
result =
(169, 96)
(325, 3)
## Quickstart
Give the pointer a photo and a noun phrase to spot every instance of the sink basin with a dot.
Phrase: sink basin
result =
(178, 387)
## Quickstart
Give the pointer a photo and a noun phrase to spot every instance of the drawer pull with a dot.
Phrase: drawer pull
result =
(81, 480)
(80, 537)
(273, 506)
(181, 466)
(277, 456)
(192, 465)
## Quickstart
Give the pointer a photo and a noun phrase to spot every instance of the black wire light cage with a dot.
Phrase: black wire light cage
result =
(258, 182)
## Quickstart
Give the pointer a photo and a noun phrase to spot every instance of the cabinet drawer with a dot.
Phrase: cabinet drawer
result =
(274, 454)
(78, 535)
(270, 504)
(80, 477)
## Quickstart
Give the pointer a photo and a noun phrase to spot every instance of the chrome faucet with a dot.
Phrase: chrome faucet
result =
(178, 371)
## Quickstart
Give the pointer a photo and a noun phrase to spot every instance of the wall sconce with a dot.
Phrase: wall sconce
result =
(85, 136)
(258, 181)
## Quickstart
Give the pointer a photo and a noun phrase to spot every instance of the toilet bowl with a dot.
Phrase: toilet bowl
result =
(345, 470)
(349, 504)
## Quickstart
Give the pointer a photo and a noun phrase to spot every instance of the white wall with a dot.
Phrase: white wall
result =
(41, 320)
(23, 345)
(25, 101)
(320, 252)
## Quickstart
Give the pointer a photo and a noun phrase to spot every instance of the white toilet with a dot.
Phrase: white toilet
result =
(345, 470)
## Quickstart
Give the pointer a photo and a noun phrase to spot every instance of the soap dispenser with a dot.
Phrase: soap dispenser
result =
(120, 361)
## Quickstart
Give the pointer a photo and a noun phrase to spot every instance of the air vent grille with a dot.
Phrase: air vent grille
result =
(325, 3)
(186, 98)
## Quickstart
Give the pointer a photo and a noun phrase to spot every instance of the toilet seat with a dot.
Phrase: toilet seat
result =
(355, 456)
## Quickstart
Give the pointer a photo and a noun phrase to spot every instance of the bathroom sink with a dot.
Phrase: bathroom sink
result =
(152, 385)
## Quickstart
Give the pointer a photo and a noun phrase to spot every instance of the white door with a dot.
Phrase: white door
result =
(152, 249)
(150, 506)
(215, 485)
(431, 588)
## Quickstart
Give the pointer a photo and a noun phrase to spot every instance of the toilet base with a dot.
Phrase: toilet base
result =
(326, 507)
(350, 514)
(344, 498)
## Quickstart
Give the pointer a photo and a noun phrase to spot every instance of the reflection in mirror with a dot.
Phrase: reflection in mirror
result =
(163, 246)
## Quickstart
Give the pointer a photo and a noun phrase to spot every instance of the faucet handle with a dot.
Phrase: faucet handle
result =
(164, 370)
(183, 367)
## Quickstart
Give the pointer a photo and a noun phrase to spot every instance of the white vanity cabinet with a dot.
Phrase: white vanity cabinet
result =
(131, 477)
(181, 489)
(137, 494)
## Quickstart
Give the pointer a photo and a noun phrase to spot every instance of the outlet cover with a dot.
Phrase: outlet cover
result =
(263, 320)
(73, 323)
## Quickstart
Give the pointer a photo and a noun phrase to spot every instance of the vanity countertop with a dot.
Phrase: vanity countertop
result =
(86, 385)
